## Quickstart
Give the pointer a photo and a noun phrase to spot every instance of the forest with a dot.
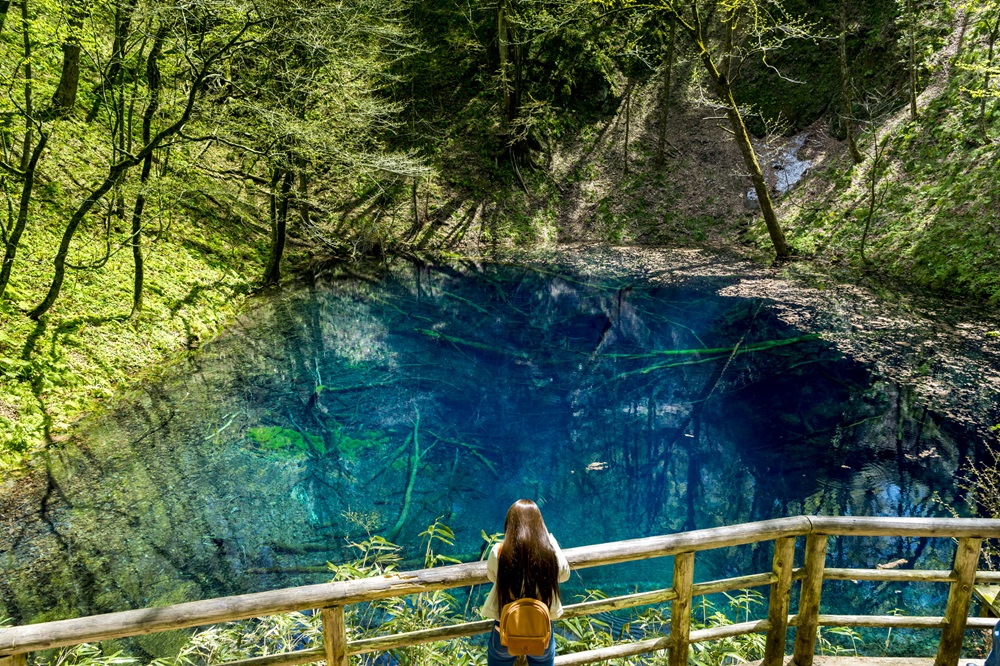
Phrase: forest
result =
(361, 255)
(161, 162)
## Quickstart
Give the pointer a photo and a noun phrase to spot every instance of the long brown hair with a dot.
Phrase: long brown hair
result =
(527, 566)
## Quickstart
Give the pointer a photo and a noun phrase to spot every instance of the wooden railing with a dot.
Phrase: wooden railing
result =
(331, 598)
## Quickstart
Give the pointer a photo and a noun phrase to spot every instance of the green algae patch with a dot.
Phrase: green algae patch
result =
(295, 444)
(283, 440)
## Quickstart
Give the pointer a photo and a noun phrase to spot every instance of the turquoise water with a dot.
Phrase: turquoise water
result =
(625, 402)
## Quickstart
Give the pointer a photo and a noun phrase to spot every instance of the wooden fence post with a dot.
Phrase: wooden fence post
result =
(335, 636)
(956, 613)
(777, 608)
(14, 660)
(680, 611)
(812, 587)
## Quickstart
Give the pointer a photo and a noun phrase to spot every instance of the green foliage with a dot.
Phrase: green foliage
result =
(442, 534)
(936, 224)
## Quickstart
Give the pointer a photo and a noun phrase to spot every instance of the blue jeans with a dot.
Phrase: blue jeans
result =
(497, 655)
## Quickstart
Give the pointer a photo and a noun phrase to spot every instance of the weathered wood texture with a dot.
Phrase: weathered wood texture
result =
(894, 621)
(989, 598)
(335, 636)
(919, 527)
(777, 607)
(655, 644)
(613, 652)
(28, 638)
(283, 659)
(826, 660)
(394, 641)
(897, 575)
(812, 586)
(14, 660)
(959, 596)
(729, 630)
(729, 584)
(680, 611)
(616, 603)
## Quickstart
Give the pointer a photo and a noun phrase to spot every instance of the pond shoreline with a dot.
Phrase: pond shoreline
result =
(939, 358)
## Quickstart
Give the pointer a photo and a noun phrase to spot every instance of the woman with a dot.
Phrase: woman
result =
(527, 563)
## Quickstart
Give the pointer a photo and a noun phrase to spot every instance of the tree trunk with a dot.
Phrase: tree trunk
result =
(846, 99)
(986, 77)
(64, 98)
(416, 211)
(123, 24)
(912, 17)
(29, 112)
(4, 6)
(511, 70)
(22, 214)
(727, 47)
(725, 92)
(153, 84)
(668, 68)
(873, 177)
(114, 173)
(724, 89)
(279, 224)
(303, 198)
(628, 120)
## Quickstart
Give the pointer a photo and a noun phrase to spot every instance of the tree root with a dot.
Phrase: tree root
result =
(408, 495)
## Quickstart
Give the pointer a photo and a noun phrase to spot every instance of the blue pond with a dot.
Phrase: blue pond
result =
(627, 398)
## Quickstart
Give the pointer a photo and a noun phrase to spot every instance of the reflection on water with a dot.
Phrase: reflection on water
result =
(625, 406)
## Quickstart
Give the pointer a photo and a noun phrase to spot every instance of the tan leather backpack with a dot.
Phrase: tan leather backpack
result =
(525, 627)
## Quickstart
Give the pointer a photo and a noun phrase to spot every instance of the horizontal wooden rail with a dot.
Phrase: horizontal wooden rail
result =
(661, 643)
(907, 575)
(614, 652)
(29, 638)
(895, 621)
(894, 575)
(985, 528)
(394, 641)
(283, 659)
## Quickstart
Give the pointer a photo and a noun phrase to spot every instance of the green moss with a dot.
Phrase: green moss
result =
(296, 444)
(937, 225)
(197, 271)
(283, 440)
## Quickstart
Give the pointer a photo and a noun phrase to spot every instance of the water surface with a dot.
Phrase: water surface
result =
(628, 393)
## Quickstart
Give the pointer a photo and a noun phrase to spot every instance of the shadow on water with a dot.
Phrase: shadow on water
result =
(625, 405)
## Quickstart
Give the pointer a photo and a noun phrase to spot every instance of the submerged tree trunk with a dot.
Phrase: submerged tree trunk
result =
(846, 98)
(22, 214)
(64, 98)
(668, 68)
